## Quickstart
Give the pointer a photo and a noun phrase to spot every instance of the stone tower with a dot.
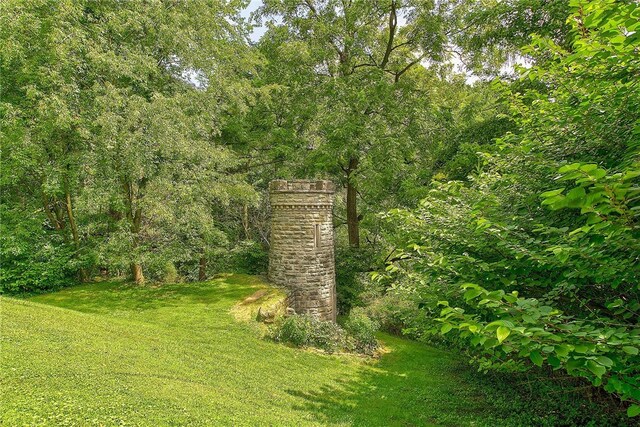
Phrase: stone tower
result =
(301, 255)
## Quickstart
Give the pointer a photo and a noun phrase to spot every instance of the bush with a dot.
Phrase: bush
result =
(170, 273)
(32, 259)
(361, 332)
(523, 288)
(158, 267)
(294, 330)
(306, 331)
(358, 334)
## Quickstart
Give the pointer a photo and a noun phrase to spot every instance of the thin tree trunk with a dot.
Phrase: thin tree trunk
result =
(59, 212)
(55, 222)
(136, 267)
(353, 222)
(74, 232)
(55, 215)
(72, 220)
(393, 23)
(245, 220)
(202, 270)
(136, 273)
(135, 220)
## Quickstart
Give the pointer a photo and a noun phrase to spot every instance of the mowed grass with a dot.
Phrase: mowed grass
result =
(120, 354)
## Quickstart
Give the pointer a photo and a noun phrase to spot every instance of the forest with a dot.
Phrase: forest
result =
(486, 157)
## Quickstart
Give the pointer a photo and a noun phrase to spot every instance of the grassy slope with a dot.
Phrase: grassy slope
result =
(110, 353)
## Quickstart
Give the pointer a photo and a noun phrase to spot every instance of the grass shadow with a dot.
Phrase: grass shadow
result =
(413, 385)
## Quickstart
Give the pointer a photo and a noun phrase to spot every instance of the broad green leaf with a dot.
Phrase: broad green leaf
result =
(562, 350)
(588, 167)
(568, 168)
(633, 411)
(596, 368)
(500, 322)
(552, 193)
(554, 362)
(573, 364)
(536, 358)
(472, 293)
(502, 332)
(554, 200)
(576, 197)
(598, 173)
(604, 360)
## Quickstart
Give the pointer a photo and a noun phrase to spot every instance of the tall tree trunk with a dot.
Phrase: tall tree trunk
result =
(202, 269)
(72, 220)
(353, 222)
(59, 213)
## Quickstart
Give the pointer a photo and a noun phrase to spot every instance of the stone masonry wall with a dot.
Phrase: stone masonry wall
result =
(301, 255)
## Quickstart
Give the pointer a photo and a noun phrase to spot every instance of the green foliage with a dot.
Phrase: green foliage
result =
(294, 330)
(361, 331)
(250, 257)
(499, 29)
(31, 260)
(533, 263)
(130, 132)
(396, 312)
(357, 333)
(170, 273)
(346, 96)
(246, 256)
(111, 115)
(307, 331)
(352, 266)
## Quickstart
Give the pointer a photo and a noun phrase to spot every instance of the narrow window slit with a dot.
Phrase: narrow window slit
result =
(316, 236)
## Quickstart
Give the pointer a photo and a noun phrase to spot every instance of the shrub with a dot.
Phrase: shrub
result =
(361, 332)
(306, 331)
(358, 334)
(327, 336)
(249, 257)
(524, 288)
(170, 273)
(32, 259)
(394, 310)
(294, 330)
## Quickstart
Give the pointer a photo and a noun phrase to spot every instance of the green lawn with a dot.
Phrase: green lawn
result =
(119, 354)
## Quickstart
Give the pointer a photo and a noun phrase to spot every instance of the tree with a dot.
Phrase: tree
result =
(112, 105)
(534, 260)
(348, 68)
(158, 136)
(491, 34)
(44, 103)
